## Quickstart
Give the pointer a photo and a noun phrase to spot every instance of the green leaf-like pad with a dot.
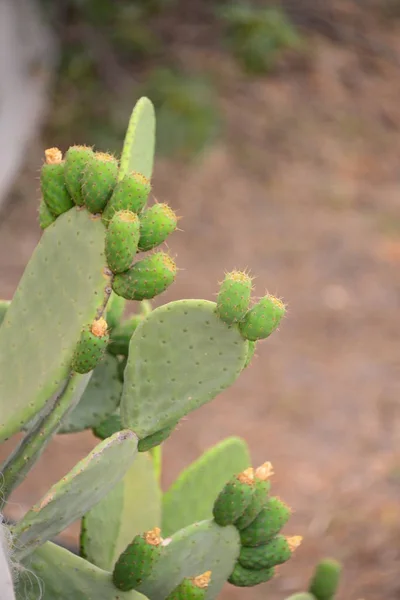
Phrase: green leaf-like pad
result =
(69, 499)
(130, 508)
(180, 357)
(191, 497)
(61, 575)
(60, 292)
(138, 151)
(100, 399)
(201, 547)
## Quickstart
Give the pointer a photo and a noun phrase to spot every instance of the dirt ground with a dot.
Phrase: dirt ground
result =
(304, 191)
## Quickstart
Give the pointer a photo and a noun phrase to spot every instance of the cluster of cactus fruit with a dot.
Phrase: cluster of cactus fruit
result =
(70, 361)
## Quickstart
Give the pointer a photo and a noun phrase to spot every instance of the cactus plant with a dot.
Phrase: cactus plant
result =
(69, 362)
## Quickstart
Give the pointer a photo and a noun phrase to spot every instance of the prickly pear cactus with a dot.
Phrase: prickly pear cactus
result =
(71, 361)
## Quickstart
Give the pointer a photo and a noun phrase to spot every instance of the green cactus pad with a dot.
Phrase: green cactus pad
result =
(147, 278)
(121, 368)
(66, 501)
(4, 305)
(115, 310)
(191, 588)
(200, 484)
(131, 507)
(100, 399)
(53, 573)
(267, 524)
(139, 144)
(250, 354)
(241, 577)
(130, 193)
(155, 439)
(138, 560)
(259, 498)
(122, 239)
(156, 224)
(301, 596)
(262, 319)
(76, 159)
(234, 297)
(121, 336)
(108, 427)
(54, 190)
(276, 552)
(46, 218)
(180, 357)
(91, 347)
(198, 548)
(42, 328)
(325, 580)
(99, 180)
(234, 498)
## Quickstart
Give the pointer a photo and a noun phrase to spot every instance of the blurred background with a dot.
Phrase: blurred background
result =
(279, 144)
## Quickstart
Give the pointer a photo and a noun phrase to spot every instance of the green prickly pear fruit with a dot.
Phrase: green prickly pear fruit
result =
(121, 336)
(147, 278)
(156, 224)
(267, 524)
(242, 577)
(250, 353)
(262, 486)
(276, 552)
(130, 193)
(234, 297)
(99, 179)
(234, 498)
(52, 182)
(262, 319)
(115, 310)
(137, 561)
(46, 218)
(76, 159)
(112, 424)
(122, 239)
(191, 588)
(325, 581)
(155, 439)
(91, 347)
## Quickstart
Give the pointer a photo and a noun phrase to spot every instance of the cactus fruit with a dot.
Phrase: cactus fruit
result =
(130, 193)
(98, 180)
(155, 439)
(46, 218)
(91, 347)
(137, 561)
(76, 159)
(234, 498)
(122, 239)
(241, 577)
(325, 580)
(147, 278)
(267, 524)
(262, 319)
(259, 498)
(115, 311)
(191, 588)
(274, 553)
(156, 224)
(52, 181)
(234, 297)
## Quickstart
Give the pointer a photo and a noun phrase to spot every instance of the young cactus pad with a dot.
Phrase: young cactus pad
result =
(42, 326)
(200, 484)
(69, 499)
(180, 357)
(131, 507)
